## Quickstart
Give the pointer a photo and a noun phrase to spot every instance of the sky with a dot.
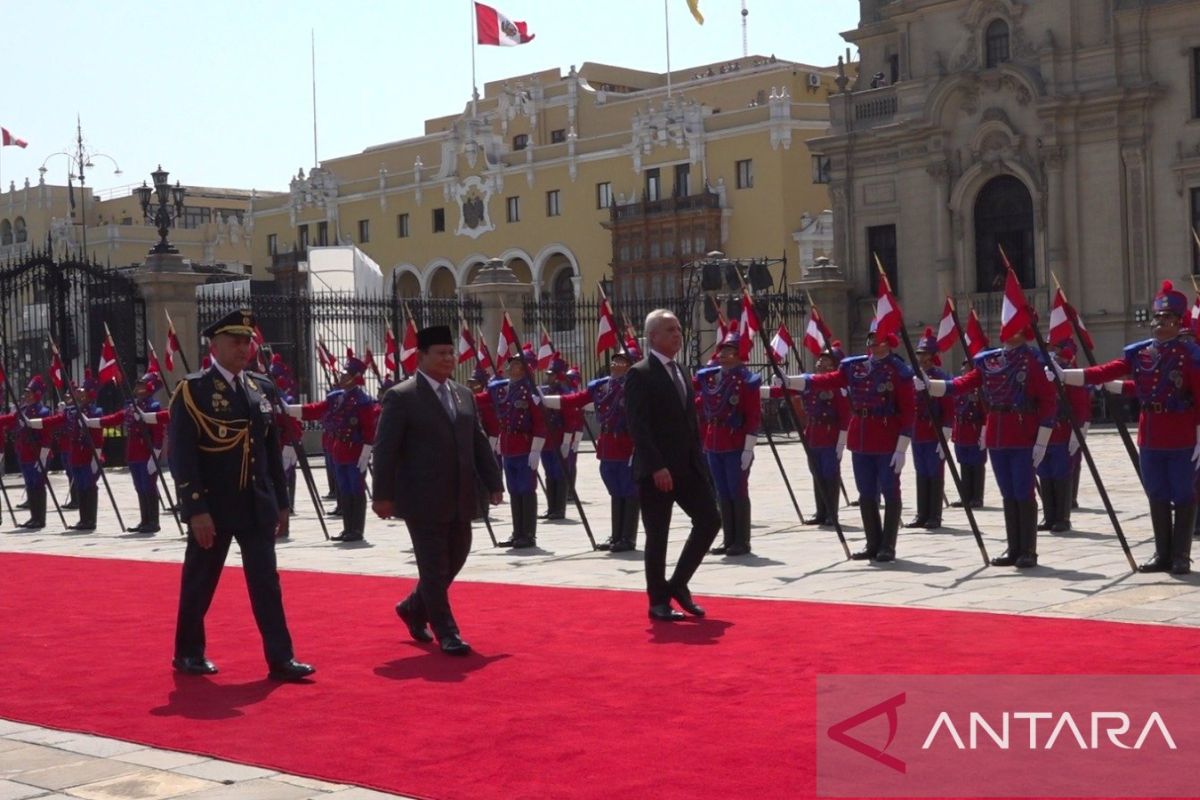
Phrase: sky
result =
(220, 92)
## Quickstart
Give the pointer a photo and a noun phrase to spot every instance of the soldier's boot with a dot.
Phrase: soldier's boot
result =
(24, 504)
(72, 498)
(1027, 518)
(292, 490)
(872, 528)
(356, 518)
(937, 488)
(629, 528)
(741, 529)
(1075, 473)
(830, 487)
(1012, 533)
(966, 474)
(617, 506)
(564, 495)
(1062, 501)
(515, 507)
(551, 498)
(150, 515)
(1181, 539)
(1160, 521)
(922, 503)
(821, 515)
(37, 510)
(141, 514)
(890, 531)
(727, 528)
(89, 499)
(529, 518)
(1049, 506)
(336, 511)
(980, 484)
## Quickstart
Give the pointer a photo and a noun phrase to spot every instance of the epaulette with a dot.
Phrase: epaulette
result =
(903, 367)
(1133, 349)
(598, 382)
(704, 372)
(194, 376)
(497, 383)
(981, 355)
(754, 379)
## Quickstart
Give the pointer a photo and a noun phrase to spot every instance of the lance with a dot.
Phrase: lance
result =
(170, 391)
(38, 465)
(828, 350)
(1117, 408)
(912, 357)
(145, 429)
(1083, 448)
(87, 434)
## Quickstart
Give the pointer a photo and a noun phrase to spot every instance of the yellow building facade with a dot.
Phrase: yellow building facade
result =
(545, 170)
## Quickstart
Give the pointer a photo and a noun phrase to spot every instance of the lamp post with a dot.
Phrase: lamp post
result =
(81, 159)
(165, 216)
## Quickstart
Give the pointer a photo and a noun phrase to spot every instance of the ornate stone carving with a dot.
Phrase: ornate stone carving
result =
(472, 196)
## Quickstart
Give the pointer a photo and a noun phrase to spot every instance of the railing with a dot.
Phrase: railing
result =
(874, 106)
(667, 205)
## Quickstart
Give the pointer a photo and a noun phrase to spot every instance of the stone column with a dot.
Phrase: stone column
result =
(168, 285)
(827, 286)
(1052, 160)
(939, 172)
(496, 288)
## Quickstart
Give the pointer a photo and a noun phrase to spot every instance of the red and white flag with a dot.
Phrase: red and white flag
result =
(817, 334)
(492, 27)
(947, 333)
(57, 373)
(368, 359)
(466, 343)
(546, 351)
(389, 351)
(606, 335)
(1014, 313)
(408, 348)
(781, 344)
(977, 340)
(482, 356)
(153, 365)
(172, 346)
(1060, 323)
(1086, 338)
(888, 317)
(508, 338)
(9, 140)
(748, 327)
(109, 369)
(327, 359)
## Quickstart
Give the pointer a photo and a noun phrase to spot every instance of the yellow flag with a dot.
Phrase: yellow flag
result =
(694, 7)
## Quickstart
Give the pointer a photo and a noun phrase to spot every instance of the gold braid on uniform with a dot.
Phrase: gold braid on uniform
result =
(226, 434)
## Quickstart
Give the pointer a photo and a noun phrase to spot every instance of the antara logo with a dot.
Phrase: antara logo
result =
(1114, 725)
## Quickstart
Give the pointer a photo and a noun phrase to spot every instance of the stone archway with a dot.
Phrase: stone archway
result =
(442, 283)
(407, 285)
(1003, 216)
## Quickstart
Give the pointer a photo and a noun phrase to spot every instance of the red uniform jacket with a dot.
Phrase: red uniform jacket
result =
(27, 441)
(131, 423)
(1166, 379)
(1079, 400)
(730, 406)
(80, 446)
(519, 411)
(352, 418)
(882, 406)
(1016, 393)
(932, 412)
(968, 417)
(487, 415)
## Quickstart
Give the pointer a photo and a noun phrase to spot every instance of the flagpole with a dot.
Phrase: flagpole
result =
(474, 84)
(313, 40)
(667, 29)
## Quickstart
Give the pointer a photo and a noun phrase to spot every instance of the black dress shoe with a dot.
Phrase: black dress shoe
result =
(816, 521)
(719, 550)
(83, 526)
(418, 631)
(664, 613)
(523, 543)
(290, 670)
(1181, 566)
(684, 598)
(623, 546)
(738, 550)
(605, 545)
(863, 555)
(31, 525)
(507, 542)
(453, 645)
(1026, 562)
(1156, 564)
(193, 665)
(1006, 559)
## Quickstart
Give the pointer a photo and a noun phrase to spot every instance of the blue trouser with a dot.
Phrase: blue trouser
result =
(143, 481)
(1056, 466)
(618, 478)
(824, 461)
(1168, 476)
(33, 475)
(1013, 468)
(83, 478)
(874, 477)
(552, 462)
(926, 460)
(730, 479)
(970, 454)
(518, 475)
(349, 479)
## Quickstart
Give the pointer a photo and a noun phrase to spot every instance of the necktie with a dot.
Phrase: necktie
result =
(240, 390)
(677, 378)
(447, 402)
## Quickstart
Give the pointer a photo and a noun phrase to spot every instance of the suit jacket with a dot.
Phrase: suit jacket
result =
(224, 452)
(426, 464)
(665, 432)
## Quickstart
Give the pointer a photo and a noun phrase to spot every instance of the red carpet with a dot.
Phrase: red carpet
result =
(572, 692)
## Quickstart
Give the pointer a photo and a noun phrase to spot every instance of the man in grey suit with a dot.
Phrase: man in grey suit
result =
(429, 452)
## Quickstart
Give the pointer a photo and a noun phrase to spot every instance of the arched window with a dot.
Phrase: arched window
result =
(562, 299)
(19, 232)
(995, 43)
(1003, 218)
(6, 236)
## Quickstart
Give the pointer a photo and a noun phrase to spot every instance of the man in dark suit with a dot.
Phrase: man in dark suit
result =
(668, 465)
(430, 451)
(228, 469)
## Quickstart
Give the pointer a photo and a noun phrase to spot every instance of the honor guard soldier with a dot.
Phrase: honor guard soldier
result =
(223, 447)
(928, 457)
(142, 419)
(291, 431)
(1054, 473)
(522, 434)
(32, 450)
(561, 427)
(880, 390)
(487, 412)
(1021, 405)
(1164, 374)
(614, 446)
(968, 442)
(327, 443)
(83, 445)
(351, 417)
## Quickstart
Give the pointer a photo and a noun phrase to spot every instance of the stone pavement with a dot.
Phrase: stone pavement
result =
(1084, 574)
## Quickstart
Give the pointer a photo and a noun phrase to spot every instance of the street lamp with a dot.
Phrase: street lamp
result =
(165, 216)
(80, 160)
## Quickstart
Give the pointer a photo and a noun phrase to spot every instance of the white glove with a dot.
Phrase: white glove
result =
(1039, 447)
(149, 417)
(937, 388)
(748, 452)
(841, 444)
(1073, 446)
(1054, 369)
(947, 434)
(553, 401)
(293, 410)
(1071, 377)
(151, 468)
(494, 441)
(575, 440)
(34, 422)
(564, 449)
(899, 456)
(44, 456)
(776, 380)
(1115, 387)
(92, 422)
(764, 392)
(289, 457)
(797, 382)
(983, 437)
(535, 452)
(918, 384)
(364, 458)
(1196, 449)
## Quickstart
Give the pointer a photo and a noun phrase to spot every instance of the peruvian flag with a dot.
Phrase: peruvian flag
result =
(606, 336)
(1086, 338)
(781, 344)
(947, 333)
(1014, 313)
(482, 357)
(466, 344)
(172, 346)
(109, 369)
(1060, 323)
(153, 365)
(722, 332)
(888, 318)
(369, 360)
(389, 351)
(57, 372)
(545, 352)
(327, 359)
(494, 28)
(631, 339)
(977, 340)
(817, 335)
(7, 139)
(748, 327)
(508, 338)
(408, 349)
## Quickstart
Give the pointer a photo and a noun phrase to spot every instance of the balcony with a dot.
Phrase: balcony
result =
(874, 106)
(665, 207)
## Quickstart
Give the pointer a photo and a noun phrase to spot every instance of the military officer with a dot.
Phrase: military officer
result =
(928, 457)
(1164, 374)
(968, 442)
(32, 450)
(880, 389)
(144, 422)
(350, 417)
(1054, 473)
(517, 405)
(1020, 404)
(83, 445)
(225, 459)
(561, 426)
